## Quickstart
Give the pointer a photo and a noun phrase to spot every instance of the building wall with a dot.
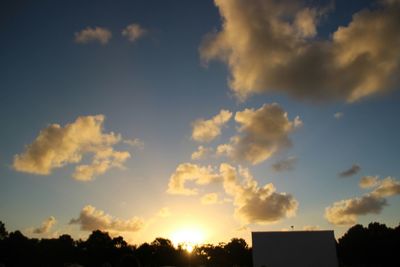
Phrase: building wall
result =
(294, 249)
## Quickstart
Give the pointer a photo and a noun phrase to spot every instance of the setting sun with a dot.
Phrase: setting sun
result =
(188, 238)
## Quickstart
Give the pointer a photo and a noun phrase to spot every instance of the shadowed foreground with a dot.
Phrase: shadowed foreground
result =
(375, 245)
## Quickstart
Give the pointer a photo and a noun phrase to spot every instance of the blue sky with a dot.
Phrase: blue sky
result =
(156, 87)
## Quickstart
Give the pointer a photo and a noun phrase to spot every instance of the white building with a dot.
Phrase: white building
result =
(294, 249)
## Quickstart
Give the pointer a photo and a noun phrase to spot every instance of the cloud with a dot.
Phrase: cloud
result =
(57, 146)
(201, 153)
(345, 212)
(209, 199)
(338, 115)
(134, 142)
(190, 172)
(46, 226)
(208, 130)
(91, 35)
(285, 164)
(273, 46)
(351, 171)
(91, 219)
(387, 187)
(254, 204)
(134, 32)
(311, 228)
(369, 181)
(262, 133)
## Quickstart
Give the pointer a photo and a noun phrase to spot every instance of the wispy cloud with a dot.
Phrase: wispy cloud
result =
(133, 32)
(285, 164)
(353, 170)
(92, 35)
(338, 115)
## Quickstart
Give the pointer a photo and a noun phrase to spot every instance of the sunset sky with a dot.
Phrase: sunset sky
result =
(198, 121)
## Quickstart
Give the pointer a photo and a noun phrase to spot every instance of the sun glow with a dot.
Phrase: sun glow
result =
(187, 238)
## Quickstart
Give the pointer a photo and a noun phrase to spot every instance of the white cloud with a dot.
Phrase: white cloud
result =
(254, 204)
(369, 181)
(201, 153)
(95, 34)
(134, 32)
(46, 226)
(208, 130)
(190, 172)
(57, 146)
(262, 133)
(271, 46)
(91, 219)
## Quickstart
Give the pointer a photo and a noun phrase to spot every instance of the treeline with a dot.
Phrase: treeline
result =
(101, 250)
(373, 246)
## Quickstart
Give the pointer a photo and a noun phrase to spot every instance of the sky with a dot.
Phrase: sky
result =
(198, 121)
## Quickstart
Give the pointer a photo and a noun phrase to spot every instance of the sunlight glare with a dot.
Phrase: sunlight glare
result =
(187, 238)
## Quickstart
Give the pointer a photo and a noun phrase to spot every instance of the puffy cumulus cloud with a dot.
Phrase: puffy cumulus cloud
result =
(338, 115)
(346, 212)
(262, 133)
(93, 34)
(285, 164)
(57, 146)
(209, 199)
(46, 226)
(133, 32)
(368, 181)
(201, 153)
(255, 204)
(91, 219)
(387, 187)
(207, 130)
(354, 169)
(269, 46)
(190, 172)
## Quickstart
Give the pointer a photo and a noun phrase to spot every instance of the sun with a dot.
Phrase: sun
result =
(188, 238)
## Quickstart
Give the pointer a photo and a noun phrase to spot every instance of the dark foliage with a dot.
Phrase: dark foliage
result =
(372, 246)
(101, 250)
